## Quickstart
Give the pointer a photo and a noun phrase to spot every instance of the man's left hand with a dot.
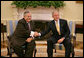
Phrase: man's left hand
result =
(60, 40)
(29, 39)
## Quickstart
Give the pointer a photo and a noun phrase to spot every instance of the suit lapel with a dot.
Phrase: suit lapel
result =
(26, 25)
(54, 26)
(60, 25)
(31, 25)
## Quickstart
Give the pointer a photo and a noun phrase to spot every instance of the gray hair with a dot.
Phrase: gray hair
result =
(55, 11)
(26, 12)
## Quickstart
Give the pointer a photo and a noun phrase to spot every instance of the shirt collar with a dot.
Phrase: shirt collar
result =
(27, 22)
(56, 21)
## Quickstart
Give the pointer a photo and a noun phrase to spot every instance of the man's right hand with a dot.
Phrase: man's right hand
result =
(29, 39)
(60, 40)
(36, 34)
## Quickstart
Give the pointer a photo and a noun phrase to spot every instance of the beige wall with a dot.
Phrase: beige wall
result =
(6, 10)
(72, 11)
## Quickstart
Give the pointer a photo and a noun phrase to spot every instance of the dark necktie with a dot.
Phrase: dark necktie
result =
(29, 26)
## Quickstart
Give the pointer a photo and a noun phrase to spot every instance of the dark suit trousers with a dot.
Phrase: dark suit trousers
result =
(51, 41)
(28, 50)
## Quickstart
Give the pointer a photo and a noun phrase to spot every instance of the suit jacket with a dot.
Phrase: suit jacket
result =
(21, 33)
(64, 29)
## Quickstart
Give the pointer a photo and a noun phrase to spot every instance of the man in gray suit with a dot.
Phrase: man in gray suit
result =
(23, 36)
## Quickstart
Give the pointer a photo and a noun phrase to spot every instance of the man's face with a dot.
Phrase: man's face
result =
(28, 17)
(56, 16)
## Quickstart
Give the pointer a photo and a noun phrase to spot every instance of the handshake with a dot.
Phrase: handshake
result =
(33, 34)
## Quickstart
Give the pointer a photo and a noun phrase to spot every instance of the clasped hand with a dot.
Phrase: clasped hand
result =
(35, 35)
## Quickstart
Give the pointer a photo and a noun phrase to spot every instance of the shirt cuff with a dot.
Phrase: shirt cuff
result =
(39, 34)
(32, 33)
(31, 37)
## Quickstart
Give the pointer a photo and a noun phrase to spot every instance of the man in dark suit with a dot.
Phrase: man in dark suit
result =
(60, 30)
(22, 36)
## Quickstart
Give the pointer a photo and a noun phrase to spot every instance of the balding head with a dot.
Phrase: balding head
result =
(26, 13)
(27, 16)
